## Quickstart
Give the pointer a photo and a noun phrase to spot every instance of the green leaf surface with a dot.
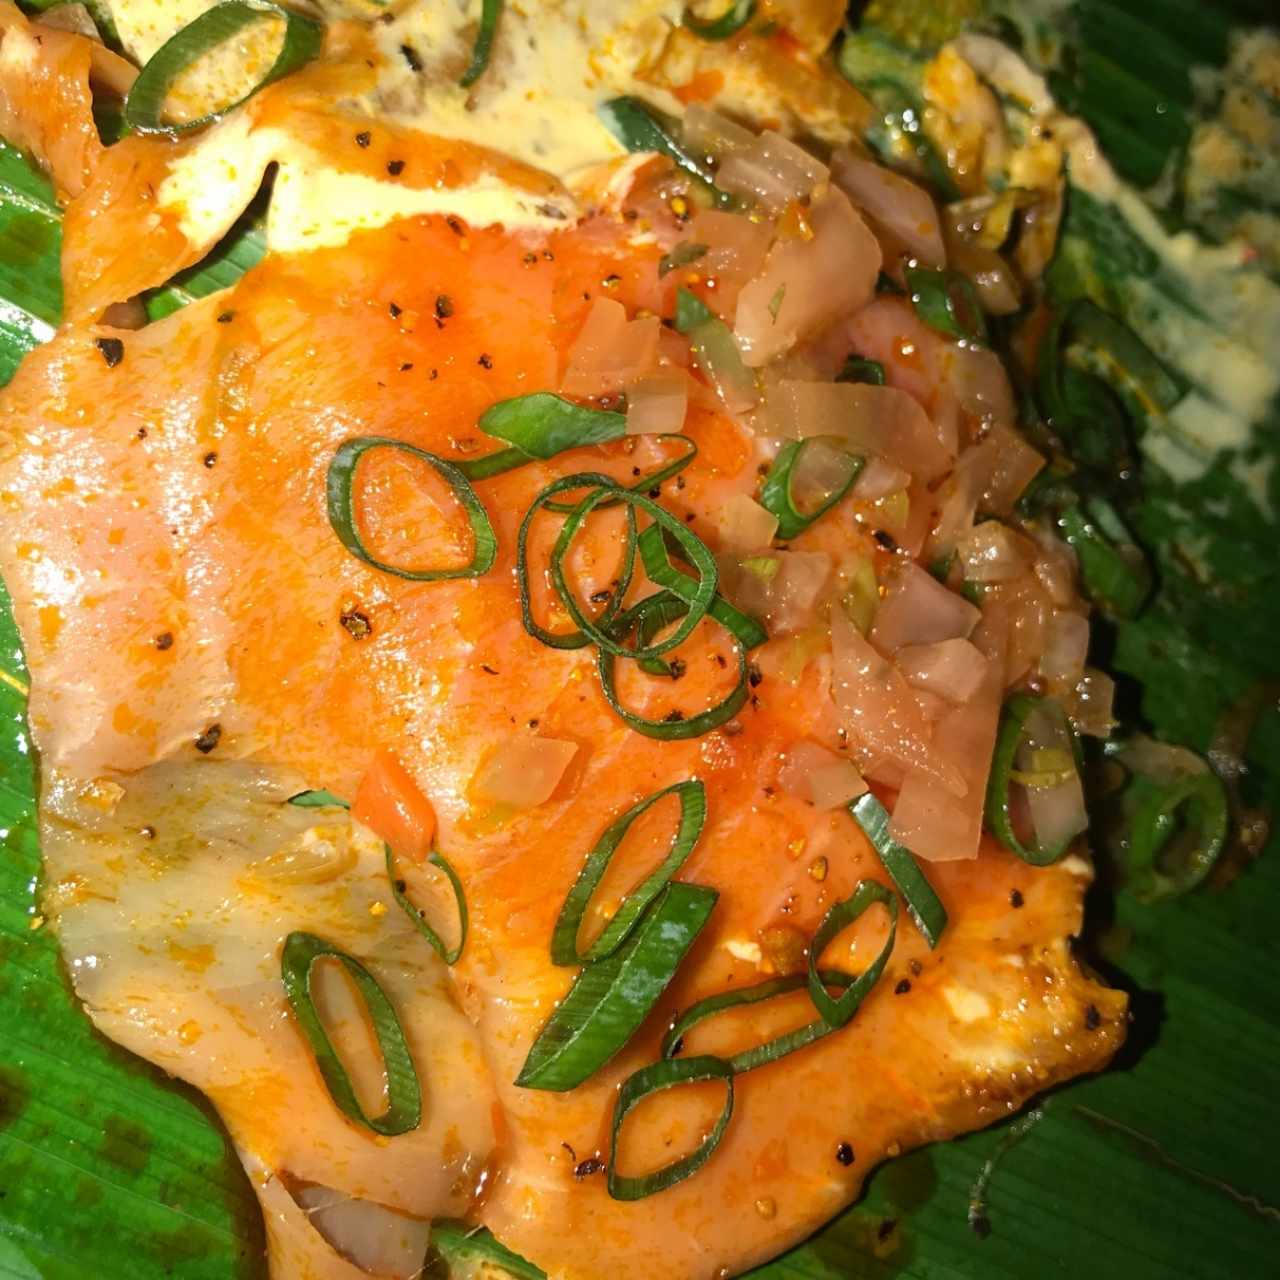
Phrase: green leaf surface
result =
(1164, 1166)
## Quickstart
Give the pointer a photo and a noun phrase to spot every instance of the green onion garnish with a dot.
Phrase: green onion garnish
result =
(612, 997)
(858, 369)
(777, 498)
(762, 1054)
(564, 939)
(490, 12)
(640, 127)
(570, 639)
(340, 497)
(681, 256)
(542, 425)
(449, 955)
(651, 480)
(657, 565)
(1011, 735)
(1171, 827)
(837, 1011)
(318, 800)
(404, 1094)
(923, 904)
(653, 1079)
(143, 107)
(729, 23)
(946, 301)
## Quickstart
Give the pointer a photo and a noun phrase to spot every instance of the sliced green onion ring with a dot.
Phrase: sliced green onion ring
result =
(776, 496)
(492, 464)
(923, 904)
(318, 800)
(651, 480)
(1113, 571)
(681, 256)
(564, 939)
(404, 1093)
(570, 639)
(700, 594)
(640, 127)
(653, 1079)
(729, 23)
(223, 22)
(611, 998)
(450, 955)
(1013, 727)
(1172, 827)
(340, 498)
(762, 1054)
(837, 1011)
(490, 12)
(946, 301)
(681, 729)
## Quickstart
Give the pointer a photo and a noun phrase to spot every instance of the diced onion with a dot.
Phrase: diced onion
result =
(772, 170)
(744, 525)
(903, 209)
(880, 421)
(808, 283)
(826, 780)
(707, 133)
(917, 609)
(610, 351)
(378, 1240)
(736, 249)
(315, 856)
(782, 588)
(1057, 812)
(1092, 706)
(998, 468)
(992, 552)
(657, 402)
(878, 479)
(820, 470)
(954, 669)
(524, 771)
(1066, 647)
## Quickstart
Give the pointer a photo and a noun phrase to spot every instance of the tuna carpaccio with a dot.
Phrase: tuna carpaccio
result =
(203, 648)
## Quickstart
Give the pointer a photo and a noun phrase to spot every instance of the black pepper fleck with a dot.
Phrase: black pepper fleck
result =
(601, 597)
(411, 57)
(676, 667)
(226, 317)
(210, 459)
(485, 361)
(363, 138)
(394, 309)
(1016, 899)
(591, 1165)
(406, 366)
(164, 641)
(148, 832)
(455, 225)
(886, 540)
(356, 624)
(444, 306)
(395, 167)
(112, 350)
(916, 968)
(530, 259)
(886, 1229)
(844, 1154)
(487, 669)
(1092, 1018)
(754, 676)
(903, 987)
(673, 717)
(209, 739)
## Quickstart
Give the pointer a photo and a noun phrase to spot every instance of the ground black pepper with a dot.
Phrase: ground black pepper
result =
(112, 350)
(395, 167)
(844, 1154)
(209, 739)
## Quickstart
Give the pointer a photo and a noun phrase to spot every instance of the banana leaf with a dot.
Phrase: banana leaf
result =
(1164, 1166)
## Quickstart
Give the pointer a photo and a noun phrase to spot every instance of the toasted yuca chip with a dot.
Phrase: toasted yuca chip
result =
(203, 647)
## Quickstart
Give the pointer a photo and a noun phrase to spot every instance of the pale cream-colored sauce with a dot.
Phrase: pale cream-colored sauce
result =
(1228, 352)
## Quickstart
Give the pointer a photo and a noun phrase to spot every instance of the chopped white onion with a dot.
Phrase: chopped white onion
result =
(708, 133)
(917, 609)
(976, 377)
(524, 771)
(808, 283)
(1066, 646)
(826, 780)
(610, 351)
(782, 588)
(880, 711)
(657, 402)
(772, 170)
(954, 669)
(720, 359)
(896, 203)
(821, 470)
(878, 479)
(369, 1235)
(1092, 711)
(879, 421)
(1057, 812)
(992, 552)
(997, 469)
(736, 249)
(744, 525)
